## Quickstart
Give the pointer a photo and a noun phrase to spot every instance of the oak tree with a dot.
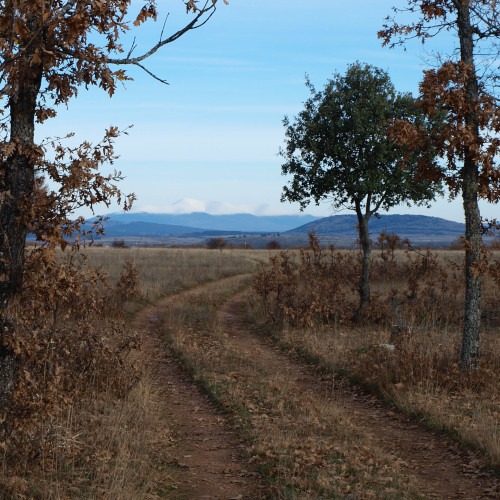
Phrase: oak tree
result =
(338, 149)
(463, 88)
(49, 51)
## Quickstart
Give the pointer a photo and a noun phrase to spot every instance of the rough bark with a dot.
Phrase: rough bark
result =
(366, 246)
(17, 186)
(472, 319)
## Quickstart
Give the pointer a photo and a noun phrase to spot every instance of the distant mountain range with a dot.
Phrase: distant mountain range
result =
(201, 221)
(289, 230)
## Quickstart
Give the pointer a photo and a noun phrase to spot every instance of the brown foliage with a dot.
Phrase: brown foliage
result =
(420, 290)
(273, 245)
(469, 140)
(128, 286)
(61, 340)
(388, 243)
(214, 243)
(446, 89)
(312, 290)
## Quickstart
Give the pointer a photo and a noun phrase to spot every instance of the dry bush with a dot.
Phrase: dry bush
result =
(411, 288)
(434, 290)
(214, 243)
(417, 307)
(128, 285)
(68, 352)
(274, 245)
(388, 244)
(310, 291)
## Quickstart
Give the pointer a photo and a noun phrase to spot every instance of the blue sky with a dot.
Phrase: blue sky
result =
(209, 140)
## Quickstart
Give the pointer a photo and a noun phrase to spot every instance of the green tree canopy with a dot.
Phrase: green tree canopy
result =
(338, 149)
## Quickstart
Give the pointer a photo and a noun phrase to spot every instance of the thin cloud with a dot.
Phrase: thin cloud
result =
(190, 205)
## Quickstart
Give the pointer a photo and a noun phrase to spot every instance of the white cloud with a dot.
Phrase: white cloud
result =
(190, 205)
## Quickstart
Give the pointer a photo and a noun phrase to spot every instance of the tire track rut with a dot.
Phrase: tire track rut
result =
(440, 468)
(208, 456)
(204, 453)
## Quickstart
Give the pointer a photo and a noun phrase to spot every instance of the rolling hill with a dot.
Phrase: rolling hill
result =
(419, 229)
(246, 229)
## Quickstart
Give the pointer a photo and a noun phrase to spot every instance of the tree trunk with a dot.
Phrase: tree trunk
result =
(472, 319)
(17, 185)
(366, 246)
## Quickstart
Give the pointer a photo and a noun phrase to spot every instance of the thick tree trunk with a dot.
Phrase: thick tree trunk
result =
(472, 319)
(366, 246)
(17, 186)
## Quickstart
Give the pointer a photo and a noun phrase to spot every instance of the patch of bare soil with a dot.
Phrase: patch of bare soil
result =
(439, 466)
(205, 455)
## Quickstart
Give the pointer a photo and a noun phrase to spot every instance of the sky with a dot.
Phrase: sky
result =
(209, 141)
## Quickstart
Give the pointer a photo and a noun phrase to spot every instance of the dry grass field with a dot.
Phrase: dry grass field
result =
(164, 271)
(416, 310)
(101, 441)
(299, 430)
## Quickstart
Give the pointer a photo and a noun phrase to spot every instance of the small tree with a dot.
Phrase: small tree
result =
(388, 244)
(119, 244)
(273, 245)
(470, 142)
(216, 243)
(338, 149)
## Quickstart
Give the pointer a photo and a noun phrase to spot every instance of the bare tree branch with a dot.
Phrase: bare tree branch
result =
(150, 73)
(192, 25)
(163, 27)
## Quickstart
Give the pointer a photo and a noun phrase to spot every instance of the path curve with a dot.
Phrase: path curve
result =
(440, 467)
(204, 452)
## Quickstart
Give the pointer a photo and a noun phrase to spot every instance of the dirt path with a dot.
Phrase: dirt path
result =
(440, 468)
(205, 454)
(208, 457)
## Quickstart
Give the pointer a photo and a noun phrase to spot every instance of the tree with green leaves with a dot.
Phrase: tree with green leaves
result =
(465, 90)
(337, 149)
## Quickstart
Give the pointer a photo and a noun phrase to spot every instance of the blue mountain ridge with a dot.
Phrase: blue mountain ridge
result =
(201, 221)
(405, 226)
(420, 229)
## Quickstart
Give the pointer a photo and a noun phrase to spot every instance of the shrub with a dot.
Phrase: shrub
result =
(273, 245)
(214, 243)
(388, 243)
(314, 290)
(422, 291)
(128, 285)
(60, 336)
(119, 244)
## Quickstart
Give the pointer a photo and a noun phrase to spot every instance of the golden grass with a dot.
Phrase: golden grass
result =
(305, 443)
(465, 409)
(110, 446)
(421, 375)
(168, 270)
(101, 448)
